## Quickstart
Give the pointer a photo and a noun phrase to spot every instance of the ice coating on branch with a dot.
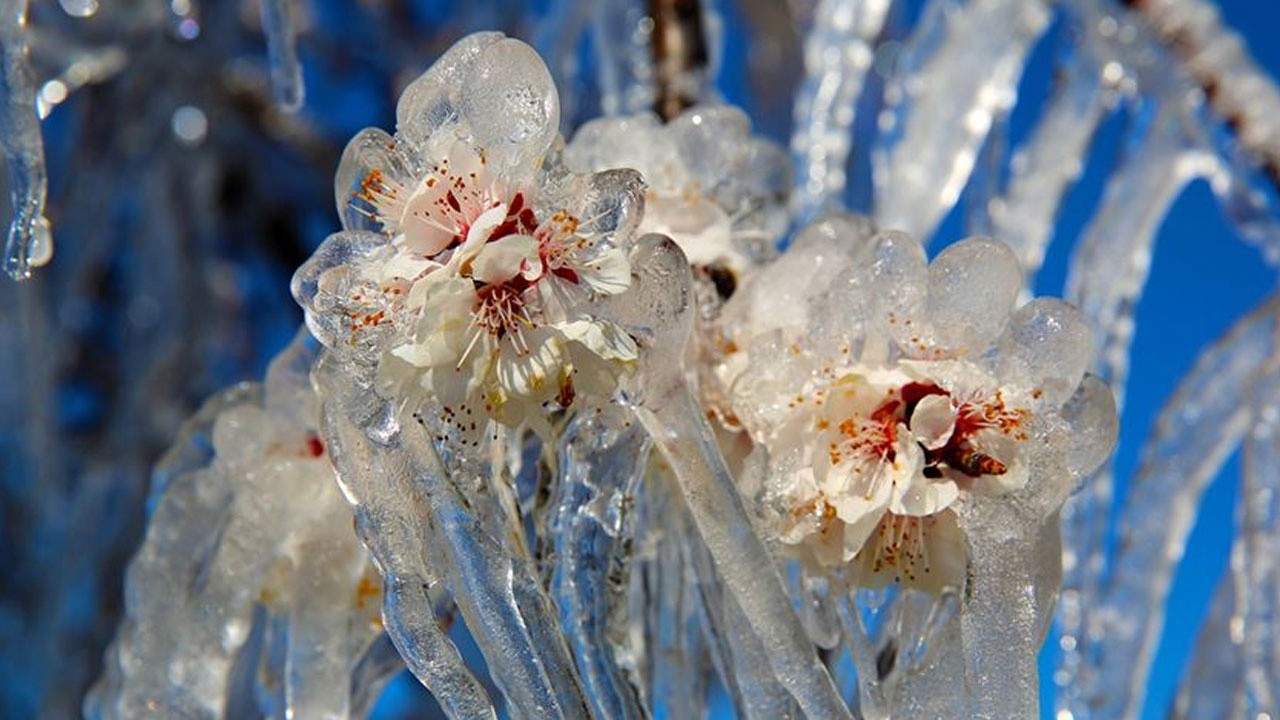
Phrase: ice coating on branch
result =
(248, 525)
(470, 259)
(972, 56)
(1197, 430)
(28, 242)
(838, 53)
(1256, 573)
(926, 436)
(1042, 169)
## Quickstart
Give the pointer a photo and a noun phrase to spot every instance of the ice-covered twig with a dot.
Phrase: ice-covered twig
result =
(838, 52)
(1257, 573)
(280, 28)
(1197, 430)
(1239, 91)
(602, 461)
(958, 71)
(1211, 688)
(680, 55)
(28, 242)
(1051, 160)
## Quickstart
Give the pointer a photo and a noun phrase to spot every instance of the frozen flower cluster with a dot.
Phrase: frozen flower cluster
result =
(884, 393)
(470, 256)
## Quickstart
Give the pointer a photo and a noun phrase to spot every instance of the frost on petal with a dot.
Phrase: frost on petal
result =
(972, 287)
(504, 259)
(509, 100)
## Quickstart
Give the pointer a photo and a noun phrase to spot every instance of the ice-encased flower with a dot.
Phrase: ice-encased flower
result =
(470, 258)
(889, 391)
(713, 187)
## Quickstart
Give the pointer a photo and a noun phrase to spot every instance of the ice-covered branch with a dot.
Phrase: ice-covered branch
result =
(838, 53)
(1198, 429)
(956, 74)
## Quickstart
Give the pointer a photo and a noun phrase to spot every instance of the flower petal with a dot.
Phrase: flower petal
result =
(504, 259)
(933, 421)
(925, 496)
(604, 338)
(608, 274)
(480, 230)
(532, 366)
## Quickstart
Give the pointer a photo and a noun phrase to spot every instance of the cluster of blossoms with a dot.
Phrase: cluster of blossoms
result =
(711, 186)
(477, 249)
(470, 258)
(878, 425)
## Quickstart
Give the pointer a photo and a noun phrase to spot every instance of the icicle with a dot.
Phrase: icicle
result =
(679, 648)
(603, 458)
(1051, 160)
(1211, 689)
(29, 243)
(1257, 575)
(620, 33)
(743, 663)
(282, 54)
(838, 52)
(1196, 432)
(959, 70)
(661, 310)
(410, 507)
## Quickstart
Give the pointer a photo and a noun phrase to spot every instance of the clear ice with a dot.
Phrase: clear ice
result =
(604, 410)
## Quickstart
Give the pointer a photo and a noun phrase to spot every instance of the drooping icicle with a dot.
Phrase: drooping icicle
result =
(1257, 574)
(661, 311)
(1196, 432)
(958, 71)
(29, 243)
(838, 52)
(602, 461)
(620, 33)
(1043, 168)
(282, 54)
(394, 484)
